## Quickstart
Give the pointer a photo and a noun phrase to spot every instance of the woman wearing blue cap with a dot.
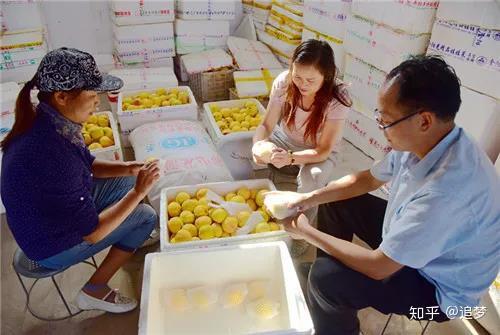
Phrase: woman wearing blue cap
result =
(62, 204)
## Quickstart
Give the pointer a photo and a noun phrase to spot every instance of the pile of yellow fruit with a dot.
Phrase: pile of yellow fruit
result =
(97, 132)
(159, 98)
(231, 120)
(192, 219)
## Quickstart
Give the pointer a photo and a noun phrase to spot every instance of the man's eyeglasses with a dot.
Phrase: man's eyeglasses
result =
(383, 126)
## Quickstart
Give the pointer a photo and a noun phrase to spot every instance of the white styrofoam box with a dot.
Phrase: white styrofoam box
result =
(112, 153)
(278, 42)
(282, 18)
(235, 148)
(125, 138)
(8, 96)
(180, 70)
(142, 79)
(365, 135)
(259, 25)
(20, 15)
(251, 84)
(142, 12)
(206, 60)
(246, 29)
(336, 44)
(205, 10)
(146, 78)
(252, 55)
(151, 63)
(216, 267)
(106, 62)
(259, 9)
(221, 188)
(327, 17)
(381, 46)
(141, 43)
(365, 82)
(479, 115)
(196, 36)
(485, 13)
(412, 17)
(130, 120)
(473, 52)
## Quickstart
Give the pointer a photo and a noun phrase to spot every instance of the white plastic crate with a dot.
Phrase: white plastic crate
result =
(130, 120)
(235, 148)
(218, 267)
(112, 153)
(221, 188)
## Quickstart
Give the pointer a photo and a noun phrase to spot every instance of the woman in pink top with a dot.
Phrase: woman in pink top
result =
(305, 117)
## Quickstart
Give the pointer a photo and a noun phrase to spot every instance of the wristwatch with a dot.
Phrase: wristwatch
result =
(292, 159)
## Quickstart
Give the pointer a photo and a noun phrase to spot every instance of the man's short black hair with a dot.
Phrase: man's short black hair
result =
(428, 82)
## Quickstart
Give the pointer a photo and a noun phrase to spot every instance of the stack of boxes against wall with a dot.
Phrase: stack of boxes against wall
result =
(283, 30)
(201, 26)
(259, 11)
(143, 46)
(467, 36)
(379, 36)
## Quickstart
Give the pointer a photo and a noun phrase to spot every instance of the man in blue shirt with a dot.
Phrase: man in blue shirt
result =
(435, 243)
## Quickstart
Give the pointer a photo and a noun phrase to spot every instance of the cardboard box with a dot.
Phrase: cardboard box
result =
(252, 55)
(206, 10)
(196, 36)
(472, 51)
(381, 46)
(364, 134)
(365, 82)
(479, 115)
(143, 43)
(411, 17)
(142, 12)
(327, 17)
(215, 268)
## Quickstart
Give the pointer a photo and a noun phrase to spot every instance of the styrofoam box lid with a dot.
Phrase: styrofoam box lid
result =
(116, 134)
(20, 40)
(206, 60)
(146, 78)
(168, 194)
(214, 129)
(233, 264)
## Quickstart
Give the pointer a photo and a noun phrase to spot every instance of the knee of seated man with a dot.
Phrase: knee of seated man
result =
(330, 277)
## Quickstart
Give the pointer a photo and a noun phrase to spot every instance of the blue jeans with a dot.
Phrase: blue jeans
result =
(128, 236)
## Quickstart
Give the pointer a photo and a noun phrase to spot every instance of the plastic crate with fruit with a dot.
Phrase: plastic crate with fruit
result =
(101, 136)
(136, 108)
(228, 290)
(231, 125)
(188, 219)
